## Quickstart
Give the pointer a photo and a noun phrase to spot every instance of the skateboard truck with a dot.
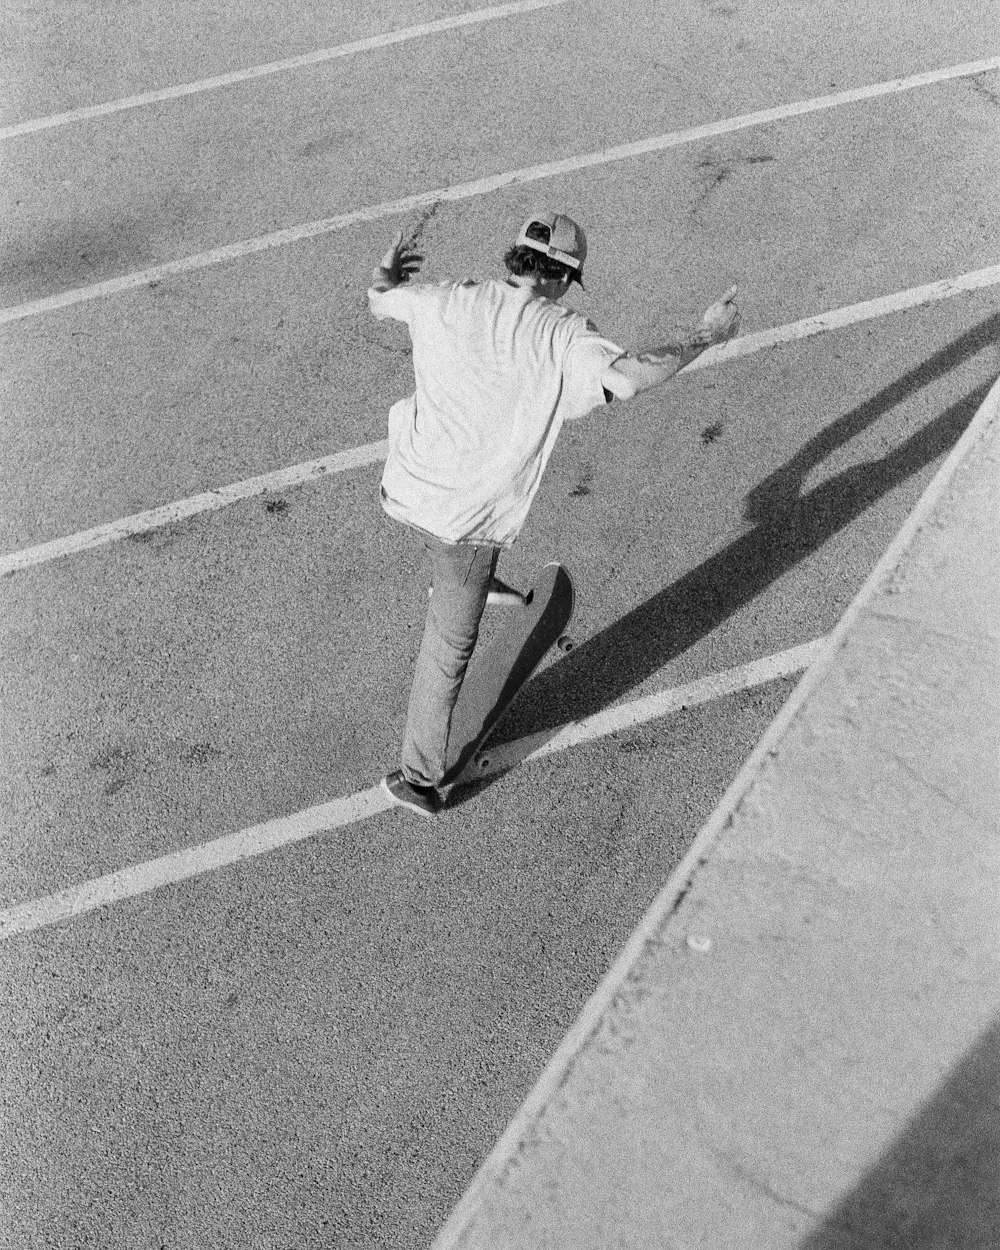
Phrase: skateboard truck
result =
(500, 594)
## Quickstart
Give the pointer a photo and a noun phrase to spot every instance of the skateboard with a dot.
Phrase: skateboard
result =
(497, 673)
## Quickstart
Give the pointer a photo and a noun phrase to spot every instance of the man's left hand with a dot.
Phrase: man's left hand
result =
(722, 320)
(399, 264)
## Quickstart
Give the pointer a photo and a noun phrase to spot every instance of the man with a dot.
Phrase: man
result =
(499, 366)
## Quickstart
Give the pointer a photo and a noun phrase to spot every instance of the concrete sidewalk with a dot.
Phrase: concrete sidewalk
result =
(800, 1046)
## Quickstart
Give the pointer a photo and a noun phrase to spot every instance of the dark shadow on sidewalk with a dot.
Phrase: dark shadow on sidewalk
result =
(939, 1184)
(788, 528)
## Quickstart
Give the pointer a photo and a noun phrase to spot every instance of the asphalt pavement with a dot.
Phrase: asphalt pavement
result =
(317, 1047)
(796, 1050)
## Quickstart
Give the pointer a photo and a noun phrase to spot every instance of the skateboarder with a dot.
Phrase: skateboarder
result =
(499, 366)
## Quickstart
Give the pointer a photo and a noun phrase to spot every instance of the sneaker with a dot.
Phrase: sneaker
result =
(424, 800)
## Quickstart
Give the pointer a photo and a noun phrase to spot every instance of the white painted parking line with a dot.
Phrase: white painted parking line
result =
(317, 57)
(194, 861)
(481, 186)
(208, 501)
(653, 707)
(371, 453)
(191, 862)
(851, 314)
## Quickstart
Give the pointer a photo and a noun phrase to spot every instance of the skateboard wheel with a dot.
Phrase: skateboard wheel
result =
(565, 643)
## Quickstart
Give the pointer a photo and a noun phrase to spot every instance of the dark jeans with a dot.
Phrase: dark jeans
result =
(460, 576)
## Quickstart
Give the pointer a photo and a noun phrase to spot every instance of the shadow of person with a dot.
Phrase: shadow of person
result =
(788, 527)
(781, 491)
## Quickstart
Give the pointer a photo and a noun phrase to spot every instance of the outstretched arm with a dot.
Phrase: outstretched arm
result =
(398, 265)
(632, 374)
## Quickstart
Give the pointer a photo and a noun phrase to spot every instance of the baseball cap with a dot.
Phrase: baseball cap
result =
(566, 243)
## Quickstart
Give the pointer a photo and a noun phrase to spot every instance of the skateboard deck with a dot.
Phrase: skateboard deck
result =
(497, 672)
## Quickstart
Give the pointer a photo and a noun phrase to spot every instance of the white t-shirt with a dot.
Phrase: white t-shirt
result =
(498, 370)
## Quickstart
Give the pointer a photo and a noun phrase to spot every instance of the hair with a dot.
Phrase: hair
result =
(521, 259)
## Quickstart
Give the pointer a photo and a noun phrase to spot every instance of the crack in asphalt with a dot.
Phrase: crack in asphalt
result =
(720, 170)
(978, 84)
(763, 1187)
(413, 235)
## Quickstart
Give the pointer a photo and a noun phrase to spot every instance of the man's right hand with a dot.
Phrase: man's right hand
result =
(630, 375)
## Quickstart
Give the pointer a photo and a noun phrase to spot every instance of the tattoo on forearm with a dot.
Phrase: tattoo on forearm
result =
(693, 341)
